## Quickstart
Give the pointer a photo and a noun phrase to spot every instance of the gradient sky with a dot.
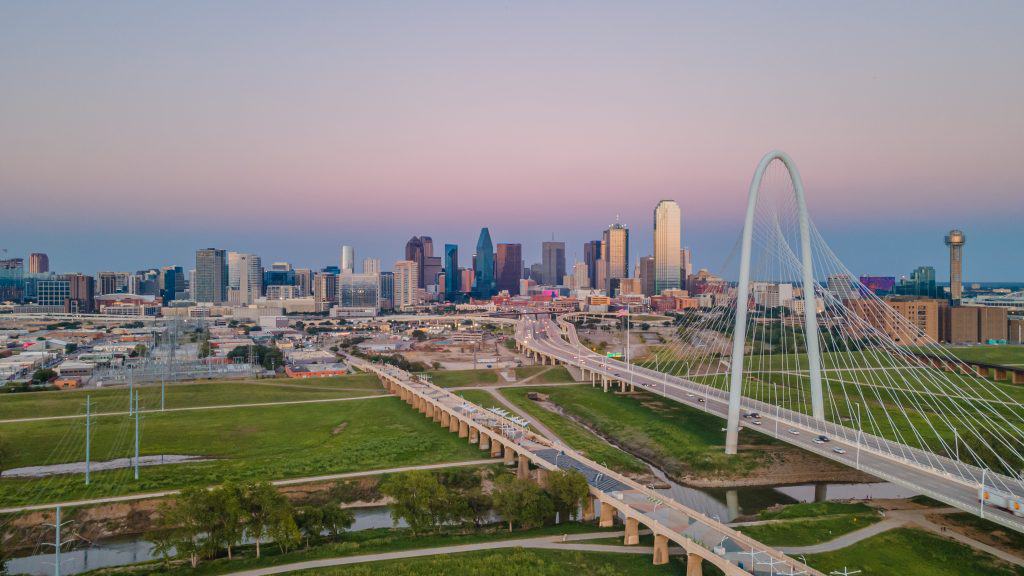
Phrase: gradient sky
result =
(132, 133)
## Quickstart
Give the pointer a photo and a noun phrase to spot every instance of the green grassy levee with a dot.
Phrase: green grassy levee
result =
(252, 443)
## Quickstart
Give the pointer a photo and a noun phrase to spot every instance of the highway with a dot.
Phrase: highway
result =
(944, 479)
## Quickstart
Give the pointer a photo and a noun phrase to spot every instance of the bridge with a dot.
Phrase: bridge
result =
(802, 344)
(611, 494)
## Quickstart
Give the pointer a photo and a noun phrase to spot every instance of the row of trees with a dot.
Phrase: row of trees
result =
(200, 523)
(427, 501)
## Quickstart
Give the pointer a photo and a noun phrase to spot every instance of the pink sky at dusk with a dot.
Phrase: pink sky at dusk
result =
(366, 124)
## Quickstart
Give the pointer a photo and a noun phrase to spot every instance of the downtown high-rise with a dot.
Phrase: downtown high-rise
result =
(211, 283)
(483, 266)
(614, 255)
(666, 246)
(508, 268)
(552, 263)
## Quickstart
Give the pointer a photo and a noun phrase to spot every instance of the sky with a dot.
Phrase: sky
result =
(133, 133)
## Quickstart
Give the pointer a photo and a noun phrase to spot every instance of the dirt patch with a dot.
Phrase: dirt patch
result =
(339, 428)
(656, 406)
(998, 537)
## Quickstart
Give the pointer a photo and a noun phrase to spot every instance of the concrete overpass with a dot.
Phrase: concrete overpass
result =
(611, 494)
(946, 480)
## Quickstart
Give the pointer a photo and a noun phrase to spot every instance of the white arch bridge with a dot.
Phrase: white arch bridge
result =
(824, 363)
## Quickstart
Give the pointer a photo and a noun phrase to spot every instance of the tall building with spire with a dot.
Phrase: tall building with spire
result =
(666, 246)
(955, 240)
(483, 266)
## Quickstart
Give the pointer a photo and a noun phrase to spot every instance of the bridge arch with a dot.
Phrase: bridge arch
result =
(743, 294)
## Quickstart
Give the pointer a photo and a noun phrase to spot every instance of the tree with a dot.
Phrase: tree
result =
(418, 498)
(270, 357)
(138, 351)
(70, 347)
(419, 335)
(521, 502)
(225, 508)
(264, 509)
(182, 527)
(478, 504)
(284, 530)
(568, 489)
(313, 521)
(43, 375)
(205, 349)
(5, 451)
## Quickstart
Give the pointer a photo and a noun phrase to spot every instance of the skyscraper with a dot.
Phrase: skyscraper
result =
(387, 290)
(358, 291)
(648, 275)
(172, 283)
(685, 266)
(371, 265)
(580, 276)
(325, 290)
(347, 261)
(666, 246)
(304, 281)
(483, 266)
(250, 278)
(615, 254)
(591, 256)
(234, 269)
(405, 288)
(451, 271)
(955, 240)
(38, 263)
(415, 251)
(211, 283)
(552, 262)
(508, 265)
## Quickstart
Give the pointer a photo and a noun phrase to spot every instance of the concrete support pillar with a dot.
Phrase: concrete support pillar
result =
(495, 449)
(446, 419)
(604, 383)
(453, 424)
(981, 371)
(632, 532)
(693, 565)
(821, 492)
(732, 502)
(1000, 374)
(542, 477)
(510, 456)
(588, 508)
(1018, 377)
(523, 471)
(607, 515)
(660, 550)
(463, 429)
(485, 442)
(437, 413)
(474, 435)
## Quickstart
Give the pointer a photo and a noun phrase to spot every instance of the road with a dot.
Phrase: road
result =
(285, 482)
(946, 480)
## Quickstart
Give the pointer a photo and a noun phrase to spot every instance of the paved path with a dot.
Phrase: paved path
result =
(572, 542)
(916, 517)
(190, 408)
(534, 423)
(286, 482)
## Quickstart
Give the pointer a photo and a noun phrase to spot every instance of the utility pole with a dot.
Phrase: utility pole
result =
(88, 438)
(136, 435)
(57, 525)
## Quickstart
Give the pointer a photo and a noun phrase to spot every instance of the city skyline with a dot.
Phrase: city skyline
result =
(899, 160)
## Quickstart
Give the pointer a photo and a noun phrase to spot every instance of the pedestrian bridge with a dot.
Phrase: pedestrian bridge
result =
(611, 494)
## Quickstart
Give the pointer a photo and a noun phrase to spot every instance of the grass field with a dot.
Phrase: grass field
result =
(982, 529)
(453, 378)
(371, 541)
(575, 435)
(680, 439)
(910, 552)
(201, 393)
(512, 562)
(806, 524)
(1005, 355)
(264, 443)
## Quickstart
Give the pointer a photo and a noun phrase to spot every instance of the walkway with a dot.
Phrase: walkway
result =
(899, 518)
(191, 408)
(544, 542)
(286, 482)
